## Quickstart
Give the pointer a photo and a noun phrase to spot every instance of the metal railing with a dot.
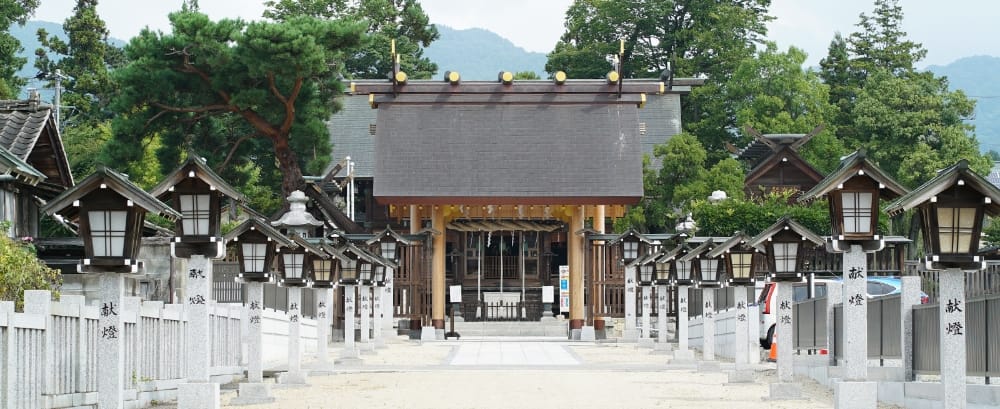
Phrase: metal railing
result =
(977, 283)
(810, 324)
(982, 337)
(884, 328)
(502, 311)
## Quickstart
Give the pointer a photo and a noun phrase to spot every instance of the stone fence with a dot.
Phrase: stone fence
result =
(49, 352)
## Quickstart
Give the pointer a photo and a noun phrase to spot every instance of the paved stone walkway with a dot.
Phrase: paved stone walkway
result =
(515, 353)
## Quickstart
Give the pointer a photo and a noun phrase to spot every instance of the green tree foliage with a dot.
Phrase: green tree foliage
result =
(526, 75)
(12, 12)
(908, 121)
(773, 94)
(912, 126)
(386, 20)
(85, 61)
(260, 83)
(21, 270)
(753, 216)
(699, 38)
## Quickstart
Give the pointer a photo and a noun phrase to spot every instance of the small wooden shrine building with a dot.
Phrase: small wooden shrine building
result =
(506, 175)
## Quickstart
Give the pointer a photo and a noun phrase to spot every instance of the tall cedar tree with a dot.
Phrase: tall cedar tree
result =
(12, 12)
(271, 79)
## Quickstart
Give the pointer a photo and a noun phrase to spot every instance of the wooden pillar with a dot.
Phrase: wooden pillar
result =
(415, 221)
(437, 268)
(575, 250)
(596, 300)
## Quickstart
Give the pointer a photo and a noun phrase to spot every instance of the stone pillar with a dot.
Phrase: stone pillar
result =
(630, 333)
(438, 290)
(682, 355)
(254, 390)
(834, 293)
(853, 391)
(753, 315)
(198, 391)
(365, 308)
(324, 319)
(575, 249)
(350, 351)
(388, 316)
(741, 356)
(646, 339)
(909, 298)
(784, 388)
(295, 375)
(662, 343)
(953, 355)
(377, 316)
(111, 345)
(741, 353)
(708, 324)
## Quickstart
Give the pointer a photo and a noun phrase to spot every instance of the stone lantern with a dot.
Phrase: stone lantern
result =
(785, 244)
(110, 211)
(951, 208)
(738, 261)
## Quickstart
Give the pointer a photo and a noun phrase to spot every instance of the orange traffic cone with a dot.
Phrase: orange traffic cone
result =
(773, 354)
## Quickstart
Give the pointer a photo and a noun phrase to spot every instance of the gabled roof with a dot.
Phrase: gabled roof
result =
(849, 168)
(366, 255)
(735, 240)
(944, 180)
(389, 232)
(264, 228)
(316, 249)
(29, 132)
(783, 224)
(697, 251)
(633, 233)
(645, 259)
(14, 166)
(104, 177)
(200, 170)
(784, 154)
(666, 256)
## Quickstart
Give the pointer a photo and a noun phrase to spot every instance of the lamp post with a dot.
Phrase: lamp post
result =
(380, 277)
(256, 243)
(738, 262)
(110, 211)
(680, 277)
(196, 192)
(325, 273)
(785, 244)
(951, 207)
(296, 264)
(708, 282)
(366, 271)
(354, 263)
(853, 192)
(661, 280)
(390, 245)
(647, 272)
(633, 245)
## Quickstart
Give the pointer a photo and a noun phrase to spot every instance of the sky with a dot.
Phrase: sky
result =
(961, 28)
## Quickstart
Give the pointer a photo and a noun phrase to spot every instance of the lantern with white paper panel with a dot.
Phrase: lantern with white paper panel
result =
(786, 244)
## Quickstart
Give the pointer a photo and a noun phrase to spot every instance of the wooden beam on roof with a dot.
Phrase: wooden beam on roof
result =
(494, 99)
(802, 141)
(518, 87)
(761, 138)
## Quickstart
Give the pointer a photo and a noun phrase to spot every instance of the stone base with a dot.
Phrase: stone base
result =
(630, 335)
(861, 395)
(366, 348)
(741, 376)
(709, 366)
(547, 314)
(588, 334)
(296, 378)
(427, 334)
(683, 356)
(662, 348)
(646, 342)
(380, 343)
(785, 391)
(198, 396)
(320, 368)
(549, 318)
(576, 334)
(252, 394)
(439, 334)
